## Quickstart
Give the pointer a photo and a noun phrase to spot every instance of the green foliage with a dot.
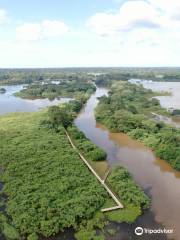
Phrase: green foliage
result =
(102, 76)
(75, 89)
(128, 214)
(89, 150)
(75, 105)
(59, 116)
(48, 186)
(127, 190)
(21, 76)
(138, 133)
(124, 74)
(111, 231)
(88, 229)
(10, 232)
(128, 109)
(133, 198)
(33, 236)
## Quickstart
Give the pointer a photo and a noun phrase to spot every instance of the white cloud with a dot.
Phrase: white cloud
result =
(137, 14)
(170, 7)
(3, 16)
(29, 32)
(54, 28)
(43, 30)
(132, 14)
(140, 33)
(147, 29)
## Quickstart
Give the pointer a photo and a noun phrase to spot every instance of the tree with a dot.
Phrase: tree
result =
(59, 116)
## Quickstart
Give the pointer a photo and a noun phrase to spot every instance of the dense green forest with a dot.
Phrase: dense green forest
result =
(46, 186)
(128, 109)
(124, 74)
(28, 76)
(73, 88)
(100, 75)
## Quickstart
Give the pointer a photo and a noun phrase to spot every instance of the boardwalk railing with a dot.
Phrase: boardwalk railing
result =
(116, 200)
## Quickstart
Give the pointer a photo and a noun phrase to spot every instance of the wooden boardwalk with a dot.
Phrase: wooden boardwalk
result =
(106, 175)
(116, 200)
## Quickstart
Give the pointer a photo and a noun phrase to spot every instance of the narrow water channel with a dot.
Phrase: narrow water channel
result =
(155, 176)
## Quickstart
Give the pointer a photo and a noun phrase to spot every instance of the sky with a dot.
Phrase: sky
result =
(91, 33)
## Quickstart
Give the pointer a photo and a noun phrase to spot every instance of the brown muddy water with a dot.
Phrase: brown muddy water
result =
(154, 175)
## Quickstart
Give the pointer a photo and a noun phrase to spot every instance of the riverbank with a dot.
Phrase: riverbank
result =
(128, 109)
(157, 178)
(30, 137)
(134, 200)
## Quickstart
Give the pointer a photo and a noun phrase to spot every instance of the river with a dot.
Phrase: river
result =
(155, 176)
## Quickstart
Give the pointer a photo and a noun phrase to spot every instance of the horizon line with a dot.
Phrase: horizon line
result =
(88, 67)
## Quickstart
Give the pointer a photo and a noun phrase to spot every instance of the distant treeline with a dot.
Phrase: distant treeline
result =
(100, 75)
(27, 76)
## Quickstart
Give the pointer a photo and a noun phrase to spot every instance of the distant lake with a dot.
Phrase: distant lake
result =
(172, 101)
(172, 87)
(10, 103)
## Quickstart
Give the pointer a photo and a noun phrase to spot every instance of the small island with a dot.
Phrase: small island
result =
(2, 90)
(73, 89)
